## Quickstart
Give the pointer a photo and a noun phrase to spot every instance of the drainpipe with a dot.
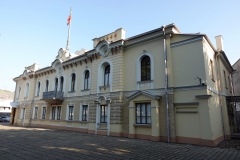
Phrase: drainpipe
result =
(166, 85)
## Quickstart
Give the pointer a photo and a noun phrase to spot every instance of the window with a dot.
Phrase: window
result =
(53, 113)
(143, 113)
(103, 114)
(44, 113)
(225, 80)
(58, 112)
(84, 112)
(46, 87)
(38, 88)
(107, 75)
(61, 83)
(56, 84)
(229, 81)
(211, 70)
(73, 79)
(26, 90)
(145, 68)
(70, 112)
(23, 113)
(19, 91)
(35, 112)
(86, 80)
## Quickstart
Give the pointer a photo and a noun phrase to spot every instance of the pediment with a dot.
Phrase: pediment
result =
(142, 95)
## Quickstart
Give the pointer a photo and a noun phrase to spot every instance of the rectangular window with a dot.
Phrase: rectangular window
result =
(58, 112)
(44, 113)
(23, 113)
(84, 112)
(211, 70)
(229, 81)
(70, 113)
(103, 114)
(35, 112)
(143, 113)
(225, 79)
(53, 113)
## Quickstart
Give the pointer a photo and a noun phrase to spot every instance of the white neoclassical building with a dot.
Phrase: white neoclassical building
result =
(161, 85)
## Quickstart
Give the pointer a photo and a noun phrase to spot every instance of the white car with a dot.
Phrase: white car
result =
(5, 119)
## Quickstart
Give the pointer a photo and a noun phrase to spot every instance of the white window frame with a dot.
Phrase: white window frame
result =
(138, 66)
(67, 114)
(44, 113)
(27, 90)
(23, 110)
(81, 112)
(101, 69)
(35, 113)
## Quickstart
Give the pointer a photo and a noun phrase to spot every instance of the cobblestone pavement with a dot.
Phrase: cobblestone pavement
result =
(17, 143)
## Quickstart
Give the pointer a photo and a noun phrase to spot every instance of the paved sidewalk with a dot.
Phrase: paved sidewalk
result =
(18, 143)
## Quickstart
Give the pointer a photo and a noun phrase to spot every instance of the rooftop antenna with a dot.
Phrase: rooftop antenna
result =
(69, 27)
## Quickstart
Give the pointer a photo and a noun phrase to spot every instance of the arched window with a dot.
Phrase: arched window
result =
(38, 88)
(19, 91)
(73, 79)
(46, 87)
(56, 84)
(106, 75)
(145, 68)
(61, 83)
(86, 80)
(26, 90)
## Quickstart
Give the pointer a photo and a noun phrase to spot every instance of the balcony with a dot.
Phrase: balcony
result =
(53, 97)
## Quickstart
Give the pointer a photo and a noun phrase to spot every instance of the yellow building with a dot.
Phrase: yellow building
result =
(162, 85)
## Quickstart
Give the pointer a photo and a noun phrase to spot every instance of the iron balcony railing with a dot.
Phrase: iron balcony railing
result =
(53, 95)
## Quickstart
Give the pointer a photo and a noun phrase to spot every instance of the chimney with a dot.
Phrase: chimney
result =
(219, 43)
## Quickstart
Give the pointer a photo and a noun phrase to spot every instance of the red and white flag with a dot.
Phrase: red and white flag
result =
(69, 18)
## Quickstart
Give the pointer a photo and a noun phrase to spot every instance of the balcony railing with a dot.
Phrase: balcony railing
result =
(53, 97)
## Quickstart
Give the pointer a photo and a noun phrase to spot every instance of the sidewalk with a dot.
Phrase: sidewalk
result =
(19, 143)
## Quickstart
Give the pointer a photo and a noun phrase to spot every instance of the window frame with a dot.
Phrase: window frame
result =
(73, 82)
(44, 111)
(106, 76)
(61, 83)
(86, 80)
(59, 110)
(143, 118)
(212, 71)
(103, 113)
(35, 115)
(53, 113)
(70, 116)
(143, 68)
(84, 113)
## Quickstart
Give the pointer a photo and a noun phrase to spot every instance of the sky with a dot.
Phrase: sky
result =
(32, 31)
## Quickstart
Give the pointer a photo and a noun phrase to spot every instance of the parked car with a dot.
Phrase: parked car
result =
(4, 119)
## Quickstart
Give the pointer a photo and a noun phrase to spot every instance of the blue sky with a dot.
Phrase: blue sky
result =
(32, 31)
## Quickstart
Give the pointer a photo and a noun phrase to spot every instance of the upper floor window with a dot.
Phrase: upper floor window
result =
(73, 79)
(56, 84)
(38, 88)
(86, 80)
(61, 83)
(26, 90)
(107, 75)
(225, 79)
(211, 70)
(145, 68)
(47, 85)
(19, 91)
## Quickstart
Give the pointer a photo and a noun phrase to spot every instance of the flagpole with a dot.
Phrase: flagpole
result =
(69, 27)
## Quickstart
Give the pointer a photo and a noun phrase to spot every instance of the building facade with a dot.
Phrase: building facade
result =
(162, 85)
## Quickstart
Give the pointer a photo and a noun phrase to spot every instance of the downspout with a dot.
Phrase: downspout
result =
(166, 85)
(220, 93)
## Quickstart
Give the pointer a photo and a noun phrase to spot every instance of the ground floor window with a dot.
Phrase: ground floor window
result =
(23, 113)
(44, 113)
(35, 112)
(143, 113)
(70, 112)
(84, 112)
(58, 112)
(53, 113)
(103, 114)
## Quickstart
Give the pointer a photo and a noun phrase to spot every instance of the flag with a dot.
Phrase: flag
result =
(69, 17)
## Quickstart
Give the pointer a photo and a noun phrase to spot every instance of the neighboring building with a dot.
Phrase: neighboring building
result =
(236, 78)
(6, 97)
(162, 85)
